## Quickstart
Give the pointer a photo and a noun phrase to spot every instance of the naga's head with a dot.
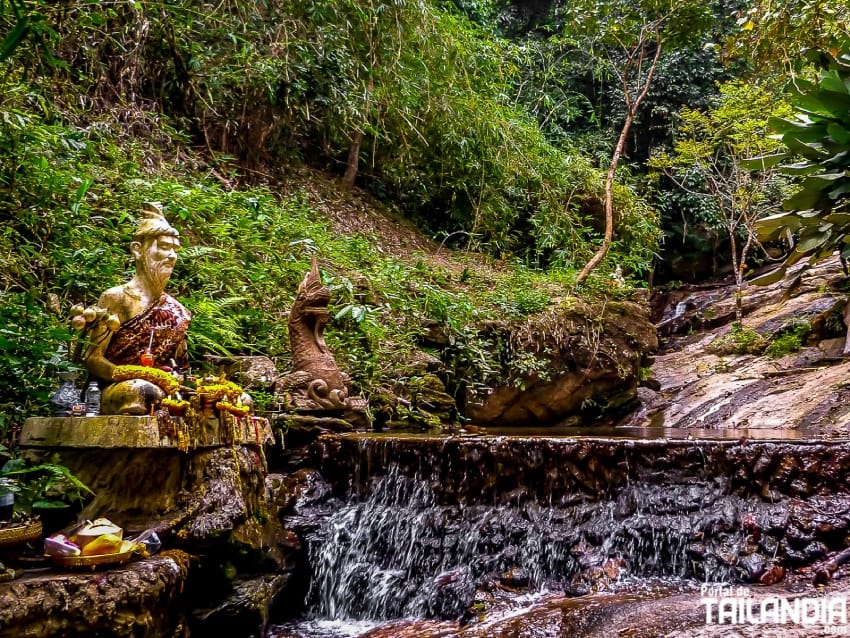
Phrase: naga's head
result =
(313, 296)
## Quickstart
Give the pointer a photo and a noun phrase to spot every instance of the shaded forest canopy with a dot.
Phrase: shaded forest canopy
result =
(488, 124)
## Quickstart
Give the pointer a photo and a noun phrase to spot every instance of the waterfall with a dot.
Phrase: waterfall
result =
(396, 551)
(421, 527)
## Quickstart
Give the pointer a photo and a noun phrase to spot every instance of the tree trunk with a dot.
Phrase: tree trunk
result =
(353, 163)
(609, 201)
(631, 112)
(739, 279)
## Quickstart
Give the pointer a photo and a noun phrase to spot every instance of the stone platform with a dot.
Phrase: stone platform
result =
(206, 498)
(139, 432)
(146, 472)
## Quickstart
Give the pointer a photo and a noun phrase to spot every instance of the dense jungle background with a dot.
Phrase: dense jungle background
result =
(451, 164)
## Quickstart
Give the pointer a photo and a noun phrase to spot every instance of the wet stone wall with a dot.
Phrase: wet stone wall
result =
(415, 526)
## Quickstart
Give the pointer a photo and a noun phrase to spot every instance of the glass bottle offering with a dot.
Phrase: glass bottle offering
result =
(7, 499)
(93, 398)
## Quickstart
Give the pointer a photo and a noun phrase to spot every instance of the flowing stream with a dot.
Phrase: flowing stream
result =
(418, 527)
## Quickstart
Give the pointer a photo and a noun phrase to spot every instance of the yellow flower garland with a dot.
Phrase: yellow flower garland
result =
(175, 406)
(219, 390)
(165, 380)
(235, 410)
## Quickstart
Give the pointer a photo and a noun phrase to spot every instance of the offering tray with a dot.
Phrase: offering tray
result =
(121, 556)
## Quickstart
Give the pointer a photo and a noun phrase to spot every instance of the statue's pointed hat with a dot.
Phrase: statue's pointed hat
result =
(153, 223)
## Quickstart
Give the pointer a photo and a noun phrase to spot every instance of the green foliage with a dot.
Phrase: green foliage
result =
(522, 294)
(622, 23)
(614, 43)
(263, 400)
(742, 340)
(733, 129)
(30, 337)
(43, 485)
(788, 340)
(529, 365)
(739, 340)
(710, 156)
(423, 99)
(773, 36)
(27, 22)
(98, 117)
(579, 56)
(244, 253)
(820, 135)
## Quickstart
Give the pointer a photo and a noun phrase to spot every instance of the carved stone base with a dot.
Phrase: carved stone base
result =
(142, 478)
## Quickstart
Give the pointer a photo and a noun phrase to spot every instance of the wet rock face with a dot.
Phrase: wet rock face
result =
(247, 610)
(496, 469)
(714, 379)
(590, 354)
(228, 486)
(695, 307)
(656, 611)
(138, 601)
(246, 558)
(418, 525)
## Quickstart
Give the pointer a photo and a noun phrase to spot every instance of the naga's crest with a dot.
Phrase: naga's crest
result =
(313, 296)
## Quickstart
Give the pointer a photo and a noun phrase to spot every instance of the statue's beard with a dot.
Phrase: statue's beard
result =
(157, 273)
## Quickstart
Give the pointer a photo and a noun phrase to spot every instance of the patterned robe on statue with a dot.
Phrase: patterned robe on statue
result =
(167, 320)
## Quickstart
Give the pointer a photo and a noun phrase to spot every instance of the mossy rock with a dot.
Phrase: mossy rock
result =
(562, 361)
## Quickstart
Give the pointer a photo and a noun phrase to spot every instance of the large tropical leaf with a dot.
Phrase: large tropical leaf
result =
(819, 212)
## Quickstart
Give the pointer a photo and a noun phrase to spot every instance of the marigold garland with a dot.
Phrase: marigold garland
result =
(164, 380)
(175, 406)
(235, 410)
(219, 390)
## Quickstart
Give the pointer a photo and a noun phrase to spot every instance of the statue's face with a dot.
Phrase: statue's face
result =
(157, 258)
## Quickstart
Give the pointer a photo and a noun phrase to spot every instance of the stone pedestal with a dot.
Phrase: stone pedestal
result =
(143, 476)
(205, 496)
(139, 432)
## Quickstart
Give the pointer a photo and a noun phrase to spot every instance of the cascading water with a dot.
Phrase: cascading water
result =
(400, 535)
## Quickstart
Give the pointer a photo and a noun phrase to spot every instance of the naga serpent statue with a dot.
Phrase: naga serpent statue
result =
(316, 383)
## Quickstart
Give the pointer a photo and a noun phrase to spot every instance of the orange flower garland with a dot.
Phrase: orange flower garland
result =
(175, 406)
(220, 390)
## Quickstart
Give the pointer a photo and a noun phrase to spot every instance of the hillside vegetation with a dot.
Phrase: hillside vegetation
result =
(204, 108)
(273, 130)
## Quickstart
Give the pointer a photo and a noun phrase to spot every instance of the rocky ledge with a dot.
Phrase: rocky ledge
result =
(648, 612)
(717, 378)
(138, 600)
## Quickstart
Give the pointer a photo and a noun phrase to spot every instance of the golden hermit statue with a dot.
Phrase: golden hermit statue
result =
(153, 325)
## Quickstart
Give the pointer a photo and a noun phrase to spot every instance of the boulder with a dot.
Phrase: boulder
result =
(562, 361)
(427, 393)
